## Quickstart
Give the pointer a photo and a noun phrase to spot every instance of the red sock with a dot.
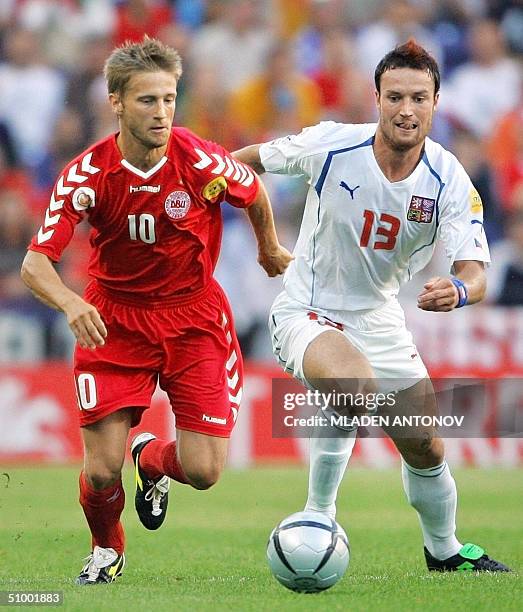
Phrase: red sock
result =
(158, 458)
(102, 510)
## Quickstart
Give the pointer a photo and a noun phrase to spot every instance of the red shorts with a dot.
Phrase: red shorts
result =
(190, 349)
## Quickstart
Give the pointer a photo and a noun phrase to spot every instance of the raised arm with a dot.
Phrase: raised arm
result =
(273, 257)
(250, 155)
(467, 286)
(44, 282)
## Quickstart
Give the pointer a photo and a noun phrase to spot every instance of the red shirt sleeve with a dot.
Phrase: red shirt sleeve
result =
(242, 182)
(222, 177)
(62, 215)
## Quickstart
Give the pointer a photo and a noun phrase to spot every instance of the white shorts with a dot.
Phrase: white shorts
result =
(379, 334)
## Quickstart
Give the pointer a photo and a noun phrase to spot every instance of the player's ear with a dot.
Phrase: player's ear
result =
(436, 100)
(377, 98)
(116, 103)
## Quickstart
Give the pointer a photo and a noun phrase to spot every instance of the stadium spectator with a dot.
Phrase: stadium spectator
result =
(26, 318)
(135, 18)
(472, 95)
(505, 150)
(190, 13)
(505, 279)
(509, 14)
(248, 289)
(337, 326)
(450, 22)
(278, 101)
(68, 140)
(31, 96)
(153, 314)
(85, 80)
(346, 94)
(469, 150)
(16, 180)
(203, 108)
(16, 230)
(326, 17)
(235, 45)
(291, 17)
(398, 21)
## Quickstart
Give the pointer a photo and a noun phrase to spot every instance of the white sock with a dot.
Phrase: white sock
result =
(328, 459)
(432, 492)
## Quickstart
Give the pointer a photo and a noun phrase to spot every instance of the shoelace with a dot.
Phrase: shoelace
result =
(90, 569)
(156, 494)
(488, 563)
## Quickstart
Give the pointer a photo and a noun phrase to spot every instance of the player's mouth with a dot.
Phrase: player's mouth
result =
(159, 129)
(407, 126)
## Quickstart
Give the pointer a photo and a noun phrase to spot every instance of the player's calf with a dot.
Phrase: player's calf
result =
(203, 477)
(422, 451)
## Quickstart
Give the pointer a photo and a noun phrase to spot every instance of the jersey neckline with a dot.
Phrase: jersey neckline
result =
(380, 174)
(128, 166)
(141, 173)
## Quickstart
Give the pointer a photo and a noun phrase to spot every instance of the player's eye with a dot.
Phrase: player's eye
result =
(393, 98)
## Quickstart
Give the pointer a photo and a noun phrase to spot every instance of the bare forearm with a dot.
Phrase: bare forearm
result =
(250, 155)
(44, 282)
(262, 221)
(472, 273)
(273, 257)
(441, 294)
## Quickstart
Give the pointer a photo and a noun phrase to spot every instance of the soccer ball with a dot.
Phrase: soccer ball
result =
(308, 552)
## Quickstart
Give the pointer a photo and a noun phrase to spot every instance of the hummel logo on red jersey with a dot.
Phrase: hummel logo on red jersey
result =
(149, 188)
(212, 419)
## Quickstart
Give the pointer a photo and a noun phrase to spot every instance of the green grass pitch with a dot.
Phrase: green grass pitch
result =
(210, 553)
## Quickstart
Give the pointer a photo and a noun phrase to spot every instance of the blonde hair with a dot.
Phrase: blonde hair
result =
(150, 55)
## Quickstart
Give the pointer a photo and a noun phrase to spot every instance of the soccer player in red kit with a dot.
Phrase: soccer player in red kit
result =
(152, 312)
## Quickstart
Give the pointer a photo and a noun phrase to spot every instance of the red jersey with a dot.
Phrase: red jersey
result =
(155, 235)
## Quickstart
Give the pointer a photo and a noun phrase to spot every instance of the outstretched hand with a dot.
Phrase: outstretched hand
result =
(439, 294)
(275, 261)
(85, 322)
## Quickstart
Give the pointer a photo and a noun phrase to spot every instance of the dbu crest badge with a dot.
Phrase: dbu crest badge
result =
(177, 204)
(421, 210)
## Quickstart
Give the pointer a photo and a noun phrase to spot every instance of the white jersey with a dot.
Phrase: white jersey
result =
(362, 236)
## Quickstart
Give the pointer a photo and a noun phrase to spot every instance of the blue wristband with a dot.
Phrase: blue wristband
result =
(462, 292)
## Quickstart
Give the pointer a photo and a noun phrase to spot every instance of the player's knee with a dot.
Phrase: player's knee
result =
(101, 477)
(424, 452)
(203, 477)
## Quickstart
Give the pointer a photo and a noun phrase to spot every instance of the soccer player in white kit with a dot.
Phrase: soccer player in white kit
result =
(380, 197)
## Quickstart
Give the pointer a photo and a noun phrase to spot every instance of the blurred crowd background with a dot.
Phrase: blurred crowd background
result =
(253, 70)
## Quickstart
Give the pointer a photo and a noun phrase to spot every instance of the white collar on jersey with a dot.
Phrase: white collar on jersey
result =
(141, 173)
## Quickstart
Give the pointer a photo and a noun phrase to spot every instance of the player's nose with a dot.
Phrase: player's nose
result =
(161, 110)
(406, 109)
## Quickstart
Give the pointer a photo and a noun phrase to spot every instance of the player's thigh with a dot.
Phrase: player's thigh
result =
(315, 349)
(202, 372)
(331, 361)
(104, 447)
(415, 434)
(202, 457)
(123, 372)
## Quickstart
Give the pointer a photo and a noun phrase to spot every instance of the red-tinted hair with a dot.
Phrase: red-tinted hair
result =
(409, 55)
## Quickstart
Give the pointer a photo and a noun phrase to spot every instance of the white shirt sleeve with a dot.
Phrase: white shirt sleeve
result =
(461, 220)
(295, 154)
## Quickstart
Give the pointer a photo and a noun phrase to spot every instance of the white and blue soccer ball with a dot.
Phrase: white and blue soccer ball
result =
(308, 552)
